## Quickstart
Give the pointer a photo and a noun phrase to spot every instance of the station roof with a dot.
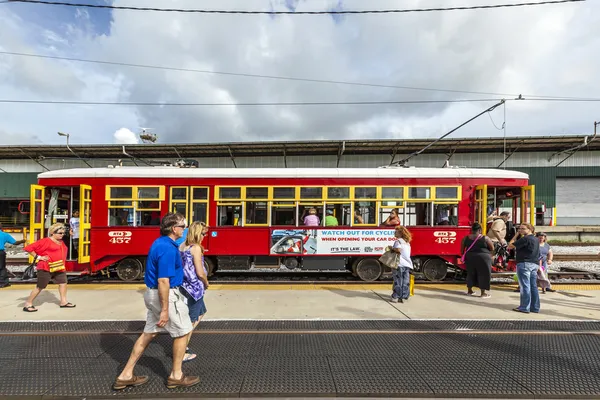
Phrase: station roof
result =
(297, 148)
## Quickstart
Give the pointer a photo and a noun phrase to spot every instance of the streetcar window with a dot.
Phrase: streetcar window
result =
(148, 193)
(284, 193)
(200, 193)
(311, 193)
(134, 206)
(365, 192)
(446, 214)
(179, 208)
(229, 215)
(338, 192)
(449, 193)
(230, 193)
(386, 211)
(121, 193)
(419, 193)
(257, 213)
(392, 192)
(417, 214)
(283, 214)
(365, 213)
(199, 212)
(304, 211)
(179, 193)
(120, 217)
(257, 193)
(338, 214)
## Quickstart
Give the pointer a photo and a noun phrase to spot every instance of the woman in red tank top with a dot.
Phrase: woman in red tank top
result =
(51, 253)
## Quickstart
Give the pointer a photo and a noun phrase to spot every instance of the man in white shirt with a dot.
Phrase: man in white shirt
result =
(74, 230)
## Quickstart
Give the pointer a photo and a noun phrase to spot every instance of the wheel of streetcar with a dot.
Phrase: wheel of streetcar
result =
(435, 269)
(130, 269)
(369, 269)
(209, 265)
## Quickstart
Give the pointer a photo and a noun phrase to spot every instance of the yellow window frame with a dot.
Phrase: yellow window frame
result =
(269, 193)
(353, 194)
(429, 199)
(376, 211)
(458, 192)
(180, 201)
(256, 201)
(230, 203)
(226, 200)
(296, 193)
(337, 199)
(402, 199)
(198, 201)
(323, 193)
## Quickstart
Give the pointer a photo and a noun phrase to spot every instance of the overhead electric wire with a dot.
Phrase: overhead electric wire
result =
(256, 12)
(297, 103)
(275, 77)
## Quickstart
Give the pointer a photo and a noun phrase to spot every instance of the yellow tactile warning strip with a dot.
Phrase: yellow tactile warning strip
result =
(316, 286)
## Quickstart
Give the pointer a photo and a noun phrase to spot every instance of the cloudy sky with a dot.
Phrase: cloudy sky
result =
(546, 51)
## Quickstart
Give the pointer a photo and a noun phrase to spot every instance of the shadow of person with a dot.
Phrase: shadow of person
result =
(44, 297)
(117, 347)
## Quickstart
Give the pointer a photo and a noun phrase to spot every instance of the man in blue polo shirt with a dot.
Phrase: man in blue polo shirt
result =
(167, 309)
(5, 238)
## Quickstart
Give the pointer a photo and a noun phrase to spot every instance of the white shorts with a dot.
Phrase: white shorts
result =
(179, 323)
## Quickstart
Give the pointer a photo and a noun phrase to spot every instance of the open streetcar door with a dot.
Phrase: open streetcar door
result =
(85, 223)
(37, 214)
(528, 204)
(481, 206)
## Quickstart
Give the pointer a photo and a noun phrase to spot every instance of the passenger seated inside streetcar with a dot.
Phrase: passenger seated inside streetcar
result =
(312, 219)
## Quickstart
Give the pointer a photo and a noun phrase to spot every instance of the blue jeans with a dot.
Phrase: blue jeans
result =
(530, 297)
(401, 283)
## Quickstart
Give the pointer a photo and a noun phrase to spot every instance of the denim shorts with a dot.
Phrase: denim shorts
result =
(197, 308)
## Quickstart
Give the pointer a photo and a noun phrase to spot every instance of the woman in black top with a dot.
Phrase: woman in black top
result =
(477, 252)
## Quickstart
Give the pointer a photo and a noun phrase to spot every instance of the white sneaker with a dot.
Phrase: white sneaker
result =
(394, 300)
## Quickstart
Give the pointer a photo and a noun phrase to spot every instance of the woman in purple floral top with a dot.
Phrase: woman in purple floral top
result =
(195, 279)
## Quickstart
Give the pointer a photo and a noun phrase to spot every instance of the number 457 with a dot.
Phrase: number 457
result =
(119, 240)
(445, 240)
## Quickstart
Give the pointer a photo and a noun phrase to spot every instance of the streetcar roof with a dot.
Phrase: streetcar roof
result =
(385, 172)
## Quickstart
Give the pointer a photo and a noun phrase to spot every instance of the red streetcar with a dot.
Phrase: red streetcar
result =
(296, 219)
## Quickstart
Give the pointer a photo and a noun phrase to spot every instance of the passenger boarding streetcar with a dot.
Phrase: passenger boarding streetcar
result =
(257, 216)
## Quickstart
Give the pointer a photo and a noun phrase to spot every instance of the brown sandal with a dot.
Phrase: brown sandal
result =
(30, 309)
(185, 381)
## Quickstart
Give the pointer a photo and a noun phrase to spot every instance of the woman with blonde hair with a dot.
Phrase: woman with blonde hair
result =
(195, 277)
(401, 275)
(52, 254)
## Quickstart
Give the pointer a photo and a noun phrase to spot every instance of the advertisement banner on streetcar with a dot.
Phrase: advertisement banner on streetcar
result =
(330, 241)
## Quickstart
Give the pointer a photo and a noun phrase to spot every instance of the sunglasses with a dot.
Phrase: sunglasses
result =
(59, 233)
(180, 226)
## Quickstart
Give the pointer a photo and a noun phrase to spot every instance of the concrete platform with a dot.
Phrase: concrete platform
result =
(306, 302)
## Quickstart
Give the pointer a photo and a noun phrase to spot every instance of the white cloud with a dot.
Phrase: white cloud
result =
(548, 50)
(125, 136)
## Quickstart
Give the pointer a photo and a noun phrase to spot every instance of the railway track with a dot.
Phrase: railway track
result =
(290, 277)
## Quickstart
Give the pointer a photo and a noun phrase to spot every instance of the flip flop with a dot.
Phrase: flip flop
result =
(30, 309)
(68, 305)
(189, 357)
(521, 311)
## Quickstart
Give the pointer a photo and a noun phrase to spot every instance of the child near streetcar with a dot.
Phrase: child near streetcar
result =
(546, 257)
(401, 275)
(195, 276)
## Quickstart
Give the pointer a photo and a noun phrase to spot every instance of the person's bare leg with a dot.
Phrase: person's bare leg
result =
(179, 345)
(62, 290)
(194, 325)
(34, 293)
(137, 351)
